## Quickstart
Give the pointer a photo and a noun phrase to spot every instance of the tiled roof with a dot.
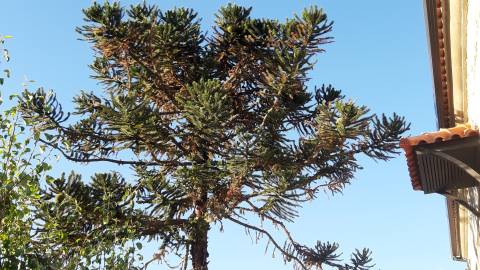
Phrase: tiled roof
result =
(408, 145)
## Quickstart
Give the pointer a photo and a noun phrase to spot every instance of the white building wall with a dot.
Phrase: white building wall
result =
(473, 94)
(473, 61)
(473, 227)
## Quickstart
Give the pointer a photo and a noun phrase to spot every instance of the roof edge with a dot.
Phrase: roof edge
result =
(436, 17)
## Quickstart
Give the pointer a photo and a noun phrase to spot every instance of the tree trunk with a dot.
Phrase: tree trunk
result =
(199, 245)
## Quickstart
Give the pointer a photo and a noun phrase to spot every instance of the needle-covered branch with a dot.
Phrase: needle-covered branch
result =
(209, 123)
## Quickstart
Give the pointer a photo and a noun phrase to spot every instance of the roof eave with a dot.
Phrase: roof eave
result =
(436, 15)
(437, 21)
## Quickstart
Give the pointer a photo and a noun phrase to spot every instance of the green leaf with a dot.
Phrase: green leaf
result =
(36, 135)
(49, 137)
(6, 55)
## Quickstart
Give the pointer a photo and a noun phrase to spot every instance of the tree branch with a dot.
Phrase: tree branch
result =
(116, 161)
(262, 231)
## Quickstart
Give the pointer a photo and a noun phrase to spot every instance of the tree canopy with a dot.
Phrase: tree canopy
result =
(217, 128)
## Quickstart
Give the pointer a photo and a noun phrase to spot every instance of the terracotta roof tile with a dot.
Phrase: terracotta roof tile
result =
(408, 145)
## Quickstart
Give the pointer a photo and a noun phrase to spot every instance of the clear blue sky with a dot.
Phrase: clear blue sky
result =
(379, 59)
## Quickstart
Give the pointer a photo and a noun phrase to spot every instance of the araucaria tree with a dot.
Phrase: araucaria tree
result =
(217, 128)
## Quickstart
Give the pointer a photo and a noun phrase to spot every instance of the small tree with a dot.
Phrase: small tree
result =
(217, 128)
(23, 167)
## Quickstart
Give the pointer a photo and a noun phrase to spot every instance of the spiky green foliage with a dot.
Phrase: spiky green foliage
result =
(217, 128)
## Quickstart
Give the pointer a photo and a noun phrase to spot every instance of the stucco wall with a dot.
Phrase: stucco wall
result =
(473, 226)
(473, 61)
(473, 93)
